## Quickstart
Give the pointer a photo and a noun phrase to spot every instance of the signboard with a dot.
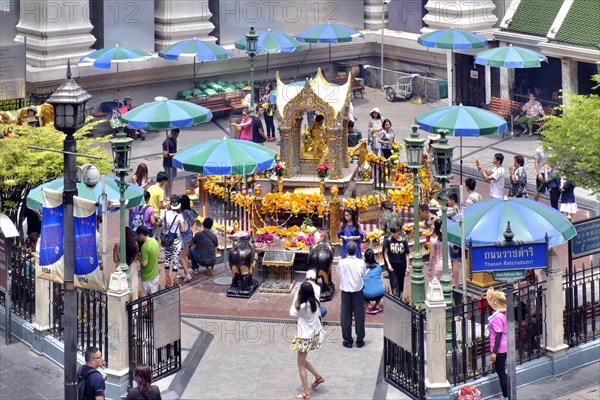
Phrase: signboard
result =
(491, 258)
(167, 318)
(506, 275)
(587, 240)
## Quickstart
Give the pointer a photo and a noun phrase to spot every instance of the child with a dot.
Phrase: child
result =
(568, 204)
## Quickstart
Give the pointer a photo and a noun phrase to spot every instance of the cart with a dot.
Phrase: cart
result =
(402, 88)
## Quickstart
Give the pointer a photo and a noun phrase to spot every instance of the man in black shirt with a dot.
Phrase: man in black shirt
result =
(258, 133)
(94, 381)
(169, 148)
(202, 249)
(395, 255)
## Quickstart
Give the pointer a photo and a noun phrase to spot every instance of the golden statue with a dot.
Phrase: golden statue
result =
(315, 140)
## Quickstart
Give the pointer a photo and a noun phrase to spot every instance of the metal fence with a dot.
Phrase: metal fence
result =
(471, 346)
(92, 318)
(22, 292)
(582, 306)
(404, 355)
(164, 360)
(226, 212)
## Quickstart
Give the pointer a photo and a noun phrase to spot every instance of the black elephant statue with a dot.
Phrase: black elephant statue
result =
(241, 263)
(320, 259)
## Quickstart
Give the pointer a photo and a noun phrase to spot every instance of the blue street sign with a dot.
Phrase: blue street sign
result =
(587, 240)
(491, 258)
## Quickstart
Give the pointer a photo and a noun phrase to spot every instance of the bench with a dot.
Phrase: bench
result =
(215, 104)
(355, 85)
(503, 107)
(236, 100)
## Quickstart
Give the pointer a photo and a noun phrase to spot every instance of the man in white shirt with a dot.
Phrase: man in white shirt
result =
(540, 163)
(351, 272)
(495, 176)
(473, 196)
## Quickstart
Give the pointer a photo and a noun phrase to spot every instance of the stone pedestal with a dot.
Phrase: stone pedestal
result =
(555, 344)
(176, 20)
(118, 338)
(373, 10)
(55, 31)
(436, 383)
(364, 188)
(42, 305)
(460, 14)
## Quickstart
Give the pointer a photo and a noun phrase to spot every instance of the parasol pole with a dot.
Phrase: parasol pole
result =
(461, 165)
(330, 64)
(463, 259)
(194, 74)
(104, 220)
(267, 63)
(225, 279)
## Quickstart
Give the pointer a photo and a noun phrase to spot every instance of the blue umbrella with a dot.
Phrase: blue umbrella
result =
(462, 121)
(104, 58)
(329, 33)
(225, 157)
(486, 221)
(200, 50)
(510, 57)
(134, 194)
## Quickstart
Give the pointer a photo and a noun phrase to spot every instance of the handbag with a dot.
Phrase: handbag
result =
(167, 238)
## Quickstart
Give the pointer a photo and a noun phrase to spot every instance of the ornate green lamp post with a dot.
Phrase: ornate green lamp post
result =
(443, 171)
(69, 115)
(121, 149)
(251, 44)
(414, 154)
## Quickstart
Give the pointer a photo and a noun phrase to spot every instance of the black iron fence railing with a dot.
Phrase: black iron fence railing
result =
(582, 306)
(470, 343)
(164, 360)
(22, 293)
(92, 318)
(404, 363)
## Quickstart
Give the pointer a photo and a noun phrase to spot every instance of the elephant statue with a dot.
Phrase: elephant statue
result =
(241, 263)
(320, 259)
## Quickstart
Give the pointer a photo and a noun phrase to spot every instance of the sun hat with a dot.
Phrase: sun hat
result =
(32, 108)
(434, 136)
(175, 202)
(311, 274)
(375, 109)
(496, 300)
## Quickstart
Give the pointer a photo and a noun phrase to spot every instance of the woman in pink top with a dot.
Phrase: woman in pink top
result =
(245, 126)
(498, 341)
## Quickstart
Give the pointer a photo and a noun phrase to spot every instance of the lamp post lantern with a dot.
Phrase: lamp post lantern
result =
(69, 102)
(414, 154)
(443, 171)
(251, 49)
(121, 150)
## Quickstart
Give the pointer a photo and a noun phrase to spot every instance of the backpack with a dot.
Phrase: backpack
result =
(138, 220)
(81, 380)
(167, 238)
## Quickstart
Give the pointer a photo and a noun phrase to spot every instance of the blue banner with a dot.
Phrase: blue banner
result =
(86, 255)
(51, 237)
(503, 258)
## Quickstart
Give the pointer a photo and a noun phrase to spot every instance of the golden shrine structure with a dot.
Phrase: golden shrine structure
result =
(303, 149)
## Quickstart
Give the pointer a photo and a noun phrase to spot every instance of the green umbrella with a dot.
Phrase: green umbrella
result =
(134, 194)
(272, 42)
(166, 114)
(510, 57)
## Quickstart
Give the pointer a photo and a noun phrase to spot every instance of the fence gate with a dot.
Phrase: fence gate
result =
(404, 347)
(155, 333)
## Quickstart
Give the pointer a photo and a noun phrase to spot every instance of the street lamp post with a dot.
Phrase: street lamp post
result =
(251, 43)
(69, 115)
(414, 154)
(121, 149)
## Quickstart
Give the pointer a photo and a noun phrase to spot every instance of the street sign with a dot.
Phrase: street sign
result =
(490, 258)
(587, 240)
(512, 274)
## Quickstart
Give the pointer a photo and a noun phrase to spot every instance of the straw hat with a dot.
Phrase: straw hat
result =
(496, 300)
(434, 136)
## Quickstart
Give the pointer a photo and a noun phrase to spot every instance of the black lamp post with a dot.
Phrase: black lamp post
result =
(121, 150)
(414, 154)
(69, 115)
(443, 171)
(251, 44)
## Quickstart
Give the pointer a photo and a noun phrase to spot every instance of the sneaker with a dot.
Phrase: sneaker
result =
(377, 310)
(196, 271)
(370, 311)
(187, 278)
(209, 271)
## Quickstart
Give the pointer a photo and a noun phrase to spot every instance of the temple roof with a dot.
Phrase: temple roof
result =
(336, 96)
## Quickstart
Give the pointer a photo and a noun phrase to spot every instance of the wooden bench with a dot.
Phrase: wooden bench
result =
(236, 100)
(215, 104)
(355, 85)
(503, 107)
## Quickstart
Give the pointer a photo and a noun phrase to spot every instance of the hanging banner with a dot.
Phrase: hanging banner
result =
(51, 259)
(88, 274)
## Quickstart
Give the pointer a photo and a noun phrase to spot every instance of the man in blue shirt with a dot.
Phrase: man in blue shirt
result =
(169, 148)
(94, 381)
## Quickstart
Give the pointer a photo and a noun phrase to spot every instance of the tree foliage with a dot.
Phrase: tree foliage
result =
(22, 168)
(574, 138)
